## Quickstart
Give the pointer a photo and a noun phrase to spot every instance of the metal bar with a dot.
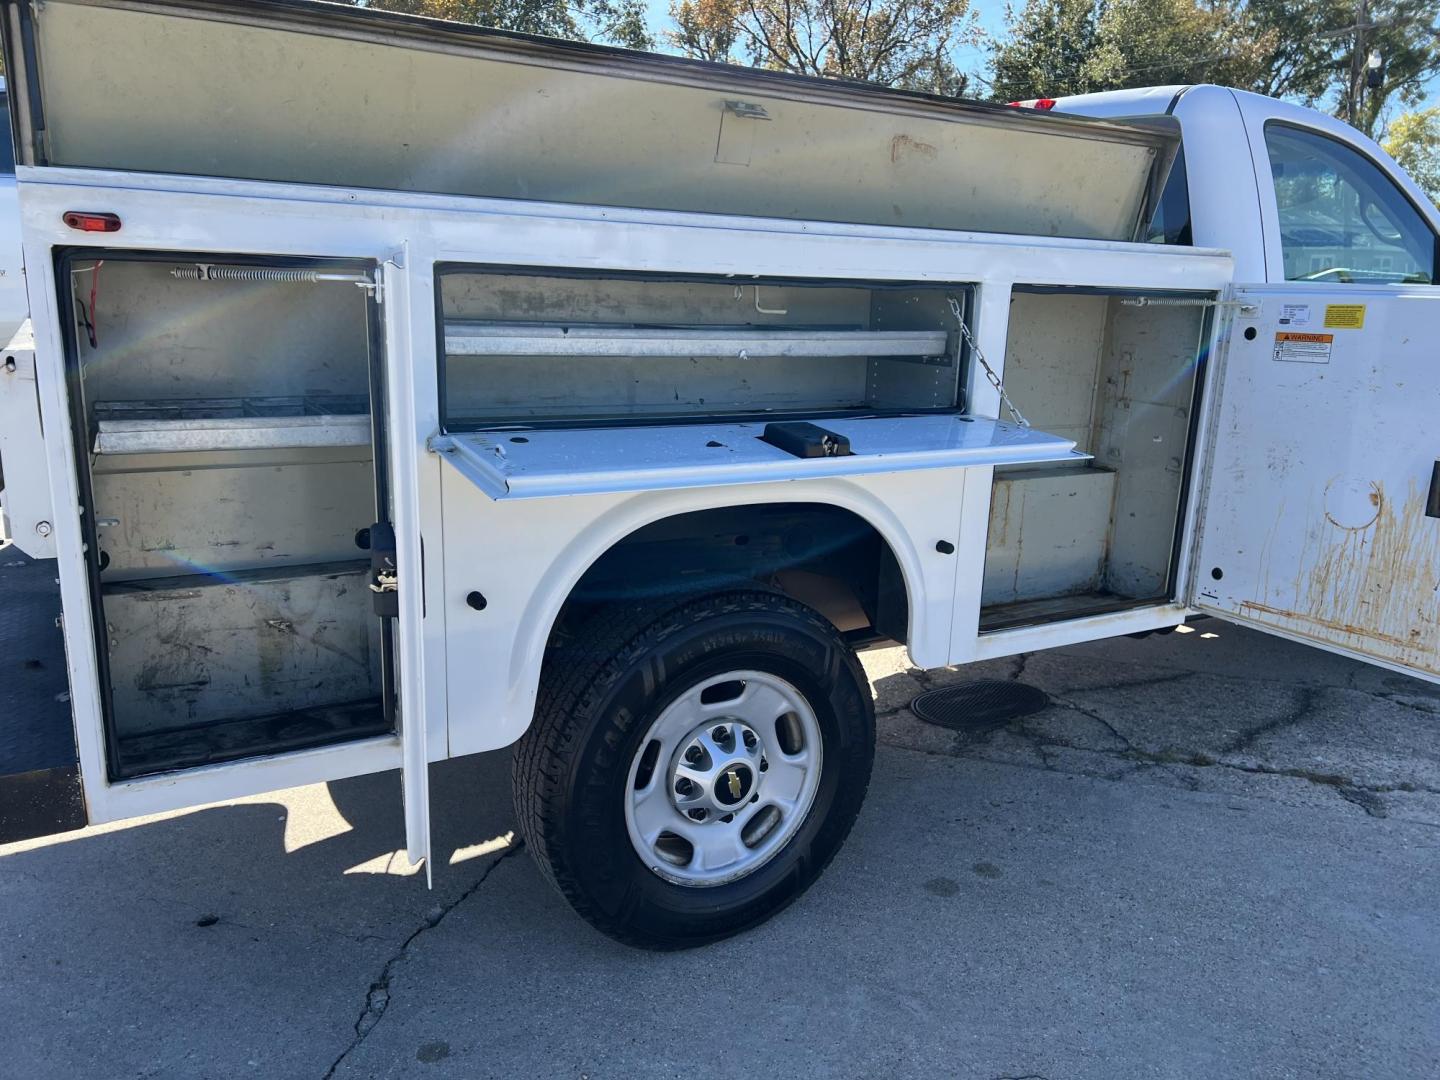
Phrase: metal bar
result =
(499, 339)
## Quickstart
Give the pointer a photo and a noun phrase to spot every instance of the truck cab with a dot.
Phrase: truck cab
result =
(1291, 193)
(611, 425)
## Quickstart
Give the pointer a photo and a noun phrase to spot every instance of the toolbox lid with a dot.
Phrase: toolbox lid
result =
(313, 93)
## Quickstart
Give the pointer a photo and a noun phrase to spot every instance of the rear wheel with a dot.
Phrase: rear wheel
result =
(693, 767)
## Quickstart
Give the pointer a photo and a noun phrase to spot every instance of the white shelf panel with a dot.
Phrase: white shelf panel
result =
(501, 339)
(531, 464)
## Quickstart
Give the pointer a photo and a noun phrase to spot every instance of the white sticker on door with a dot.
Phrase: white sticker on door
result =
(1295, 315)
(1303, 348)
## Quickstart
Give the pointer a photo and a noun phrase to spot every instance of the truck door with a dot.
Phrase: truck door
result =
(1320, 513)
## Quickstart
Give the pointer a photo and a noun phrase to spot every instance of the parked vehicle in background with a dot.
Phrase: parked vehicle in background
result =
(514, 391)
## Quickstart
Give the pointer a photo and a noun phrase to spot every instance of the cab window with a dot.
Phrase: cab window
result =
(1171, 223)
(1342, 219)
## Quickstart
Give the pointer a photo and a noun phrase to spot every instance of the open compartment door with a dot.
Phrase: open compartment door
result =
(403, 576)
(506, 465)
(1320, 518)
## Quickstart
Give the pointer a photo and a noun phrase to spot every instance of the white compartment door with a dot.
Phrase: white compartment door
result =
(404, 451)
(1318, 514)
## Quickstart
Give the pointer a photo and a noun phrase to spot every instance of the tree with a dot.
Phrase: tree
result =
(1046, 51)
(1056, 47)
(621, 22)
(1404, 37)
(1413, 139)
(905, 43)
(1309, 50)
(1299, 42)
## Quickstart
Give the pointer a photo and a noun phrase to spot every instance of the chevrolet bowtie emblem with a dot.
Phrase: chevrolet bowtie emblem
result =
(734, 783)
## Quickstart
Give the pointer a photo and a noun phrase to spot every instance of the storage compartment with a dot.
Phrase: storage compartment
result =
(525, 349)
(223, 425)
(1118, 374)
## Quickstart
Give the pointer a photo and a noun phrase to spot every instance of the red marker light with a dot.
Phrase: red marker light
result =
(91, 222)
(1032, 103)
(1044, 103)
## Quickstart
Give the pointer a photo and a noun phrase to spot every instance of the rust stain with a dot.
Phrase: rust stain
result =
(903, 146)
(1375, 497)
(1374, 588)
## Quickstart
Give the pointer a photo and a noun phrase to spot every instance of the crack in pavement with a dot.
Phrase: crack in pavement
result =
(377, 998)
(1022, 661)
(1306, 698)
(1302, 709)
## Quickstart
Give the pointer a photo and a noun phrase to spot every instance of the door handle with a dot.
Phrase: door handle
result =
(1432, 501)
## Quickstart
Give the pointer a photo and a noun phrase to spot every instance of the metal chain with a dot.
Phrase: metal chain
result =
(959, 313)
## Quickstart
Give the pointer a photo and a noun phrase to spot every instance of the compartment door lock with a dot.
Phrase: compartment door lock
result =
(384, 580)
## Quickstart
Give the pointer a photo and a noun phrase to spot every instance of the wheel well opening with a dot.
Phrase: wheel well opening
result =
(826, 557)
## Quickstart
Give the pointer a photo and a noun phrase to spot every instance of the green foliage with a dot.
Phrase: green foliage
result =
(1046, 51)
(1309, 50)
(1056, 47)
(1413, 139)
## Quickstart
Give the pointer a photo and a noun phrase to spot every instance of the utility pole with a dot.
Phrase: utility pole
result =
(1360, 66)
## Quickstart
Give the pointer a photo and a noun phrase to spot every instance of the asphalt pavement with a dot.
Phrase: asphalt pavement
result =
(1213, 855)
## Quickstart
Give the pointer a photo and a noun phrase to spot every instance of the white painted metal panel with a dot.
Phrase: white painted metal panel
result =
(1313, 522)
(401, 410)
(525, 555)
(569, 462)
(29, 519)
(262, 218)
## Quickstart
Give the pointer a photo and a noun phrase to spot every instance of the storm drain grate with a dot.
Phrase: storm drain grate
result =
(979, 706)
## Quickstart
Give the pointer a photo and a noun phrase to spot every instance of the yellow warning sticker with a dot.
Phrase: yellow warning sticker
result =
(1303, 348)
(1345, 316)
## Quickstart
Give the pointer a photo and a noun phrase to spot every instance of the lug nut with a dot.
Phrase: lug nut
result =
(728, 818)
(683, 786)
(750, 740)
(693, 755)
(764, 764)
(720, 734)
(698, 814)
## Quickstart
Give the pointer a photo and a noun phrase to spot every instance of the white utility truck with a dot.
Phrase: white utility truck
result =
(400, 390)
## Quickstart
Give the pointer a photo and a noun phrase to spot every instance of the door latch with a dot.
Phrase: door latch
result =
(384, 575)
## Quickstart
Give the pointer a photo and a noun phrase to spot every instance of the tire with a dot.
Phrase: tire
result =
(580, 773)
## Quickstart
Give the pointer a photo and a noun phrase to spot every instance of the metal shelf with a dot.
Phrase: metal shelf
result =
(143, 427)
(464, 338)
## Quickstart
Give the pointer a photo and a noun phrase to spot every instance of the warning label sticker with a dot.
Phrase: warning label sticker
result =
(1345, 316)
(1303, 348)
